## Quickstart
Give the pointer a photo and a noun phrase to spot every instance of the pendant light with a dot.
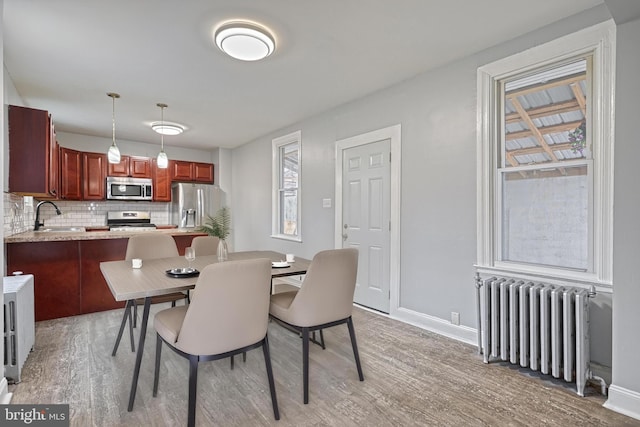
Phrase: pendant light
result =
(114, 153)
(163, 160)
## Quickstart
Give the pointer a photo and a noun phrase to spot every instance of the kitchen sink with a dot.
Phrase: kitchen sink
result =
(59, 229)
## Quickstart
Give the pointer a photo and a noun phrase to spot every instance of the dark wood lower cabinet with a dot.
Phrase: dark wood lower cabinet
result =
(67, 275)
(95, 293)
(56, 270)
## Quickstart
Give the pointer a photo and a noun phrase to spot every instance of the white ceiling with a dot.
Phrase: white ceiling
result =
(65, 55)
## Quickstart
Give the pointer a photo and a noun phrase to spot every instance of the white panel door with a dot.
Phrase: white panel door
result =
(366, 219)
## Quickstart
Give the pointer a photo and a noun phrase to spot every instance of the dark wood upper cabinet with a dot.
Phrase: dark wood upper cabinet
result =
(33, 153)
(140, 167)
(161, 183)
(131, 166)
(94, 172)
(203, 172)
(70, 174)
(185, 171)
(180, 170)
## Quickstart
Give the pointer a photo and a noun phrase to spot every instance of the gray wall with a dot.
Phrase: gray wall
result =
(437, 111)
(626, 238)
(97, 144)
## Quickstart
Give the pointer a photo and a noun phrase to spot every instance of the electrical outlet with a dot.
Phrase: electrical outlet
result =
(455, 318)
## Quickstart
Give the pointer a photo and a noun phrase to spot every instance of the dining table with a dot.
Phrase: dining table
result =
(153, 279)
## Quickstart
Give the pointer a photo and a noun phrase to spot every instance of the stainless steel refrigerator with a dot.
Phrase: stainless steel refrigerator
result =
(192, 203)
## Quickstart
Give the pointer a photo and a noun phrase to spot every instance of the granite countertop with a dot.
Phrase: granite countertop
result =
(38, 236)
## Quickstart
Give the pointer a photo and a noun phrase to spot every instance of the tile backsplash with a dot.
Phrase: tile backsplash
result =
(20, 217)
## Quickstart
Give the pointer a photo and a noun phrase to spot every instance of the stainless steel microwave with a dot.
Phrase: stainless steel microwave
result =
(123, 188)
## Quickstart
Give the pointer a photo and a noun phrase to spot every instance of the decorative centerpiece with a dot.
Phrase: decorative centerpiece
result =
(219, 226)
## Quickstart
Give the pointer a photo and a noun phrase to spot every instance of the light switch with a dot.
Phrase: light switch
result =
(326, 203)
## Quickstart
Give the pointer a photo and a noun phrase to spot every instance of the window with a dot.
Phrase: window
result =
(286, 187)
(545, 159)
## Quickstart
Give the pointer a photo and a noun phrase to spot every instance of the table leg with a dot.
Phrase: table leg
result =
(136, 370)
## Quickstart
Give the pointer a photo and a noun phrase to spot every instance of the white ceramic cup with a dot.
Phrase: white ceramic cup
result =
(291, 258)
(136, 263)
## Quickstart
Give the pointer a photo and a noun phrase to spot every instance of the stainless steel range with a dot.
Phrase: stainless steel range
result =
(130, 221)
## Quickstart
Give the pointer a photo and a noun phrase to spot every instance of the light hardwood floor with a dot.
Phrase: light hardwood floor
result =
(412, 378)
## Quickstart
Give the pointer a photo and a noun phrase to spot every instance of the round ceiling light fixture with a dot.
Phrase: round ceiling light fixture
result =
(167, 128)
(244, 41)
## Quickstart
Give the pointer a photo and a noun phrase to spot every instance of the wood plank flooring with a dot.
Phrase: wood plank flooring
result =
(412, 378)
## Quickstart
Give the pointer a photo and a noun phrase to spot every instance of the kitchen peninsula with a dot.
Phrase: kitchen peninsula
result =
(66, 266)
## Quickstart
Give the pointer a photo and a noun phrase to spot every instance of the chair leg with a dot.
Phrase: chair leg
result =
(305, 364)
(133, 341)
(193, 386)
(244, 356)
(126, 315)
(156, 375)
(322, 339)
(135, 314)
(352, 334)
(231, 362)
(272, 386)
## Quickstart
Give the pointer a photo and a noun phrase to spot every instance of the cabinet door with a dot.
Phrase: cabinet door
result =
(94, 173)
(56, 270)
(95, 295)
(139, 167)
(203, 172)
(71, 174)
(181, 170)
(32, 153)
(119, 169)
(161, 183)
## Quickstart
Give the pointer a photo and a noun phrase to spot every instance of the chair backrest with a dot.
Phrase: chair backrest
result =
(230, 308)
(205, 245)
(150, 246)
(326, 294)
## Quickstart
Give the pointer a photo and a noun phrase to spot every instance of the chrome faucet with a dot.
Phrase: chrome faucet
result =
(38, 223)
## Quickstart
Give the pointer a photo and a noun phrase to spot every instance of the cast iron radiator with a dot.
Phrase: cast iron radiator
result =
(19, 324)
(538, 326)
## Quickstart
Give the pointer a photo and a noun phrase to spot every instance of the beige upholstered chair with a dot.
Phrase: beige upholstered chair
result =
(205, 245)
(325, 299)
(228, 315)
(147, 246)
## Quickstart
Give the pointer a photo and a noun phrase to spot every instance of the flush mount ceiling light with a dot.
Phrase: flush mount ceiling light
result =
(245, 41)
(167, 128)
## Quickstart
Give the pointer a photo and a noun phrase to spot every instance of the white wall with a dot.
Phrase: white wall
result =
(97, 144)
(437, 111)
(624, 395)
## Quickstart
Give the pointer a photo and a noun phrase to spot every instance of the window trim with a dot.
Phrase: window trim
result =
(599, 41)
(276, 144)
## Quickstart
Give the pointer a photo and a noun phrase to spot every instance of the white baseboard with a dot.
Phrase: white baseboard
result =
(5, 396)
(460, 333)
(623, 401)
